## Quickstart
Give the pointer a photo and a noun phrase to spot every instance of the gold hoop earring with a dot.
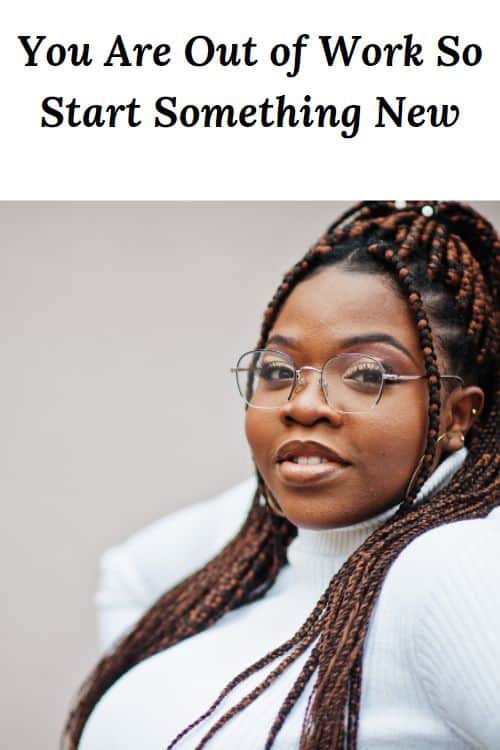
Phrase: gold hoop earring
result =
(272, 504)
(417, 468)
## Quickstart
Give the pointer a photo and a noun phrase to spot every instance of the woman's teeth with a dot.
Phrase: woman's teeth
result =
(310, 460)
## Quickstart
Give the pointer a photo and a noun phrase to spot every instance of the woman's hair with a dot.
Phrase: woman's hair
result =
(446, 267)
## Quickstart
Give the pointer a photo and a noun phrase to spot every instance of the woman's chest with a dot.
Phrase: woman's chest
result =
(156, 701)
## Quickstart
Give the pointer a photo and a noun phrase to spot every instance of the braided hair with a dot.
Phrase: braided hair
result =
(443, 259)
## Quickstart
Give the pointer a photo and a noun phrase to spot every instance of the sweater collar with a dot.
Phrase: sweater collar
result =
(315, 556)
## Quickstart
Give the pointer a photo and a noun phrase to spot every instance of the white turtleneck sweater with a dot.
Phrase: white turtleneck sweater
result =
(431, 664)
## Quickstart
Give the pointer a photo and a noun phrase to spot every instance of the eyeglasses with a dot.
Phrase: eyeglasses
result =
(351, 383)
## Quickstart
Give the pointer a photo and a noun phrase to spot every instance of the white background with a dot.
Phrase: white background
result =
(252, 163)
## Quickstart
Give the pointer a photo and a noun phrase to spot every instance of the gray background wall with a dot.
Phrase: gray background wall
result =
(118, 325)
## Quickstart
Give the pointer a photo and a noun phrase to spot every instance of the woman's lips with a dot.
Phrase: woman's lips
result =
(297, 449)
(298, 473)
(302, 462)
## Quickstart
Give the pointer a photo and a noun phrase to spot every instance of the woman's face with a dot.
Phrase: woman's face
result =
(333, 312)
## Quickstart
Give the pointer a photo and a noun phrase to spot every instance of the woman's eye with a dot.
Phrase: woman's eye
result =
(363, 375)
(276, 371)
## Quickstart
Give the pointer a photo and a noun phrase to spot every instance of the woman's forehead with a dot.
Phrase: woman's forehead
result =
(336, 304)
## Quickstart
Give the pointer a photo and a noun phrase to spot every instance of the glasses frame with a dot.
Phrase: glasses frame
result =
(299, 382)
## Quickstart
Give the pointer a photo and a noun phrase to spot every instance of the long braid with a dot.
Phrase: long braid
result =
(462, 252)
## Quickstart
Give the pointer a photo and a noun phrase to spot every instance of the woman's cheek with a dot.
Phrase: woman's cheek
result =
(258, 438)
(395, 444)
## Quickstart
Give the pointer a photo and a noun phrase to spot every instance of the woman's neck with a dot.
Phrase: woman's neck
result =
(315, 556)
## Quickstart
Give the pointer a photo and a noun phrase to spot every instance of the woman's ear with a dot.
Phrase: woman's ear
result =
(459, 411)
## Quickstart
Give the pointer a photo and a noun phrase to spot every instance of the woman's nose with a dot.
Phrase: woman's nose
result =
(307, 403)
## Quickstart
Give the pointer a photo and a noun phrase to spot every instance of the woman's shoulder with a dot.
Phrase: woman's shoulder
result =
(443, 596)
(442, 592)
(452, 545)
(134, 573)
(447, 570)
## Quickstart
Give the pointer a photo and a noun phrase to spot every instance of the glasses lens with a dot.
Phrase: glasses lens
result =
(353, 382)
(265, 378)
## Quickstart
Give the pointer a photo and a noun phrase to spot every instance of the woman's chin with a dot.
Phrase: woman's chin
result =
(310, 511)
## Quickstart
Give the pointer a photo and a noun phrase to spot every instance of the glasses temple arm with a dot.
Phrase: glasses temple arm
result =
(396, 378)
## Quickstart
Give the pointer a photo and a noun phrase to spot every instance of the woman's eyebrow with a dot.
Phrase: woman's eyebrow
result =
(376, 337)
(283, 341)
(360, 338)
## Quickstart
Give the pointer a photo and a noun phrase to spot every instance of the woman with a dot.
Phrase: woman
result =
(371, 420)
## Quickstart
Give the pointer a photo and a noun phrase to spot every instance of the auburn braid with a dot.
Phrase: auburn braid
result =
(461, 251)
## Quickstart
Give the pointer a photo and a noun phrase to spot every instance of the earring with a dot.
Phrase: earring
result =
(417, 468)
(272, 504)
(462, 437)
(474, 412)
